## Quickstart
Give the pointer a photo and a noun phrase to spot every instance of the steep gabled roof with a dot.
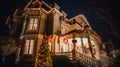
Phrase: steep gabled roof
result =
(37, 4)
(81, 19)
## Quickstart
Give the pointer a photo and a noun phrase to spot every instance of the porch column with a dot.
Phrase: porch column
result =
(90, 45)
(59, 42)
(54, 44)
(82, 45)
(74, 49)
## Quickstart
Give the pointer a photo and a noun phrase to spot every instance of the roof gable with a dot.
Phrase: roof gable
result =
(37, 4)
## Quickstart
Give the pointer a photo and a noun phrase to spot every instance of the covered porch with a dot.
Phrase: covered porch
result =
(81, 41)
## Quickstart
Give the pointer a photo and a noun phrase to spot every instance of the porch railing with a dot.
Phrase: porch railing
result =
(82, 58)
(88, 61)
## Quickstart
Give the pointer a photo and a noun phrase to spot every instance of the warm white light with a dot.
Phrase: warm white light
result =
(31, 47)
(70, 40)
(26, 46)
(78, 41)
(85, 41)
(33, 24)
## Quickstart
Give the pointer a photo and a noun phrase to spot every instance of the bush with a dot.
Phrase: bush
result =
(61, 61)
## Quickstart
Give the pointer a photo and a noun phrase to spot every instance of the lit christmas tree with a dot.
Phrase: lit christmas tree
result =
(44, 57)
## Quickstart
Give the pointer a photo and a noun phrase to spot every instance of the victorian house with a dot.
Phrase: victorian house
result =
(28, 25)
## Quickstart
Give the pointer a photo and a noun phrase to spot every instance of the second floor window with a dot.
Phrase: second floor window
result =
(29, 45)
(33, 24)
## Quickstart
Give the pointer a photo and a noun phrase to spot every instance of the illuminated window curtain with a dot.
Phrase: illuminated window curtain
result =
(85, 42)
(26, 47)
(29, 46)
(33, 24)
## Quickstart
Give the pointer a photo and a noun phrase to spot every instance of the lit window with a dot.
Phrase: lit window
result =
(78, 41)
(29, 45)
(85, 42)
(63, 28)
(33, 24)
(26, 47)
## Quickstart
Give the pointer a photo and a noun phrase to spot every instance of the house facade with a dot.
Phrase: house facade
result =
(29, 25)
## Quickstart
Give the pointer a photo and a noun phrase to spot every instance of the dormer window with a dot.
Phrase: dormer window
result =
(33, 24)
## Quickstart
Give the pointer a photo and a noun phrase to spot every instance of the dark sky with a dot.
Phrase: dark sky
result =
(103, 15)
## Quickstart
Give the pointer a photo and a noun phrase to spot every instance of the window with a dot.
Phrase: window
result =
(85, 42)
(63, 28)
(62, 18)
(29, 45)
(33, 24)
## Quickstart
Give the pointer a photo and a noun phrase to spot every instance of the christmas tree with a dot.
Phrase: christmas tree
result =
(44, 57)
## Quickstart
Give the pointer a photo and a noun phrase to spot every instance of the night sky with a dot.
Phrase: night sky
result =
(103, 15)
